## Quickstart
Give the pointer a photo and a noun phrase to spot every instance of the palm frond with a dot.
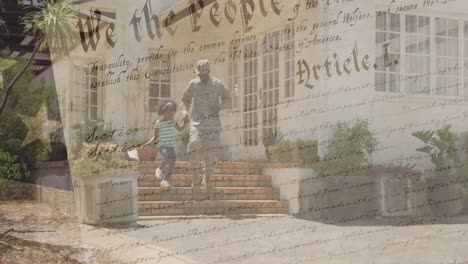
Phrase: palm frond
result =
(56, 21)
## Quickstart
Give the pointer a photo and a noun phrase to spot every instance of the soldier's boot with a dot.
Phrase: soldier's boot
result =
(195, 167)
(208, 171)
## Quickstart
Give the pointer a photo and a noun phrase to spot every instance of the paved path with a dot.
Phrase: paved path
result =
(287, 240)
(272, 240)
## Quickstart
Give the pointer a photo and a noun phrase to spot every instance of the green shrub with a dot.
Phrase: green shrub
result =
(283, 151)
(12, 168)
(33, 153)
(348, 149)
(296, 151)
(87, 163)
(271, 138)
(82, 131)
(440, 146)
(306, 150)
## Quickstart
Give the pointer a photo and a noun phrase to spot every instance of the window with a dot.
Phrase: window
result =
(430, 59)
(270, 87)
(33, 2)
(250, 77)
(446, 41)
(418, 55)
(465, 60)
(289, 61)
(86, 83)
(387, 73)
(233, 78)
(160, 83)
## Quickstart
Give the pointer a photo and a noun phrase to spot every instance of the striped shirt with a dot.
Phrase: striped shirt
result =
(167, 132)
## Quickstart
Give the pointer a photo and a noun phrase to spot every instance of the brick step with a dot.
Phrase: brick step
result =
(219, 193)
(212, 216)
(216, 180)
(215, 207)
(180, 170)
(227, 165)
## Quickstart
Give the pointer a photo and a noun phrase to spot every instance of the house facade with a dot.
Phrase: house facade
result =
(297, 67)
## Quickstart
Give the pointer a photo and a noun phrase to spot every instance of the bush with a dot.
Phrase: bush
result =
(12, 168)
(296, 151)
(89, 162)
(34, 152)
(306, 150)
(440, 146)
(22, 119)
(283, 151)
(348, 148)
(82, 131)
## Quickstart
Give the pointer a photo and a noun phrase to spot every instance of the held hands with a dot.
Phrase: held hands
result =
(186, 119)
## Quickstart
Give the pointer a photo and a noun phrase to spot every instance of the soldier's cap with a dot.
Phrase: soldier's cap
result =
(203, 67)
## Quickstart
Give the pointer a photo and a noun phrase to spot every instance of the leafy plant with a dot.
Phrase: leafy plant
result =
(12, 168)
(82, 131)
(440, 146)
(271, 138)
(91, 163)
(283, 150)
(306, 150)
(296, 151)
(54, 22)
(348, 149)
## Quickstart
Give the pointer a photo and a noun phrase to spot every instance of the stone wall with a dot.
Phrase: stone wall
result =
(378, 193)
(20, 191)
(51, 184)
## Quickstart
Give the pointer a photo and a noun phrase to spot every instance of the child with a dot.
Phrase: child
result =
(165, 128)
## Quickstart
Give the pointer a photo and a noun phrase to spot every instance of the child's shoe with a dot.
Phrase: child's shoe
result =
(158, 173)
(165, 186)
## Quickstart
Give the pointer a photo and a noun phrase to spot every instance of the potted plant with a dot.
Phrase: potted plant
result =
(269, 140)
(440, 146)
(344, 164)
(105, 185)
(304, 151)
(348, 150)
(82, 132)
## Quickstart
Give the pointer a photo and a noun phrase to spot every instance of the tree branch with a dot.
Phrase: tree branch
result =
(18, 76)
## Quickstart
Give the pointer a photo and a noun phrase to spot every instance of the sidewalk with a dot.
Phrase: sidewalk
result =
(39, 227)
(262, 240)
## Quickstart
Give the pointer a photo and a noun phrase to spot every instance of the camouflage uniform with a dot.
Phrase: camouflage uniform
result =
(205, 123)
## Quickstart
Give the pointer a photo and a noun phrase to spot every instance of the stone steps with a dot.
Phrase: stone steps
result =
(219, 193)
(187, 170)
(212, 207)
(239, 188)
(226, 165)
(216, 180)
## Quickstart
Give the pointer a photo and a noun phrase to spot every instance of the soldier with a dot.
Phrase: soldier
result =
(205, 124)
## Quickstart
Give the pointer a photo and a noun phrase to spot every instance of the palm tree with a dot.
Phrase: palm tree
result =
(55, 22)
